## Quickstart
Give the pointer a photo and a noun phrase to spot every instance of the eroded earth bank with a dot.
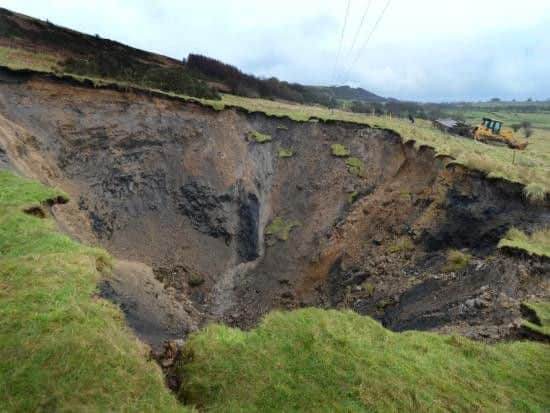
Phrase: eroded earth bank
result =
(209, 224)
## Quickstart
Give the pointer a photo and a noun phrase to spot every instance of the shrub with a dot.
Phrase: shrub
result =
(534, 192)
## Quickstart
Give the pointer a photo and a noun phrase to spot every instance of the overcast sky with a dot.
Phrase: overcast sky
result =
(430, 50)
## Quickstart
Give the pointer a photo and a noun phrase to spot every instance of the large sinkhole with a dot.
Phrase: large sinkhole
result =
(208, 224)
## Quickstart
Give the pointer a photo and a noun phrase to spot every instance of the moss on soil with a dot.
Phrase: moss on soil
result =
(281, 228)
(339, 150)
(356, 166)
(259, 137)
(284, 152)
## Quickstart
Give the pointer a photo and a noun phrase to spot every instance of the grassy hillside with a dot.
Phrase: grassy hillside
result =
(26, 42)
(331, 361)
(352, 93)
(61, 347)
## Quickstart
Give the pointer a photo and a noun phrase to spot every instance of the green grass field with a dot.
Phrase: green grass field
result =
(539, 120)
(535, 113)
(61, 347)
(338, 361)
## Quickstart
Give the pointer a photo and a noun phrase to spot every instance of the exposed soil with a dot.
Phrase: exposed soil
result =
(181, 196)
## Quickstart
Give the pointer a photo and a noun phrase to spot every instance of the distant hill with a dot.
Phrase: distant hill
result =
(43, 45)
(244, 84)
(18, 30)
(350, 93)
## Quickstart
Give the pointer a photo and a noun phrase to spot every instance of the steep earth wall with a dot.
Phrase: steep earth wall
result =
(186, 199)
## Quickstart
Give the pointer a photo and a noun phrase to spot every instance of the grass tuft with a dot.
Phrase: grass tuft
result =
(281, 228)
(535, 192)
(353, 196)
(259, 137)
(456, 261)
(538, 243)
(195, 280)
(284, 152)
(339, 150)
(402, 244)
(356, 167)
(217, 106)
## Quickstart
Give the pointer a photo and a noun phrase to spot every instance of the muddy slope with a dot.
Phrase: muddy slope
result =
(187, 192)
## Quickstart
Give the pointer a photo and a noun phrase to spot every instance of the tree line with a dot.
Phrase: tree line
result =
(243, 84)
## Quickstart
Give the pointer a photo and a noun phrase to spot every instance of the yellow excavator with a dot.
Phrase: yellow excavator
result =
(491, 131)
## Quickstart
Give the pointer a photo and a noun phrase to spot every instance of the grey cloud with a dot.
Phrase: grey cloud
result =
(411, 56)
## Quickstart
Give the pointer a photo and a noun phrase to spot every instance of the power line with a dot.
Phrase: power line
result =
(358, 31)
(341, 41)
(364, 46)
